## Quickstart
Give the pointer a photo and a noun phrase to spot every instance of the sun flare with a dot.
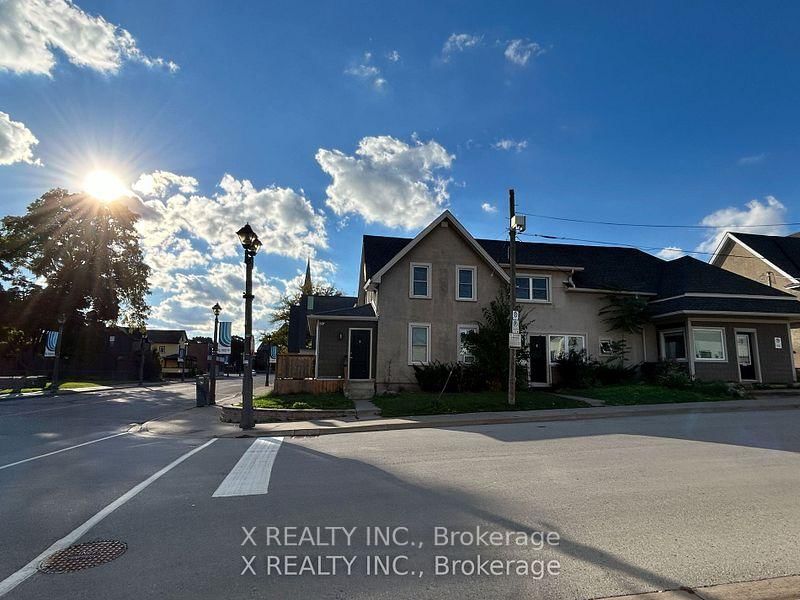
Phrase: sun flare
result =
(104, 185)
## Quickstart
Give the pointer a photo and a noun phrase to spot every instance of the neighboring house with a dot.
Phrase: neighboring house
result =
(770, 259)
(417, 297)
(170, 344)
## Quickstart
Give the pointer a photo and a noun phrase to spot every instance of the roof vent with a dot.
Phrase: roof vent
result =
(445, 224)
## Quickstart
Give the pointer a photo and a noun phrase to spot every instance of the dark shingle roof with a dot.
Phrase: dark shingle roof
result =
(379, 250)
(731, 305)
(782, 251)
(365, 310)
(686, 275)
(165, 336)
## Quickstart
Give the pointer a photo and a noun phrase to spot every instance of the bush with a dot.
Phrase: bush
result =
(462, 377)
(661, 373)
(575, 370)
(614, 373)
(301, 405)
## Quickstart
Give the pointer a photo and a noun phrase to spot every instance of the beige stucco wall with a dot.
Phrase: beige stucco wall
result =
(569, 312)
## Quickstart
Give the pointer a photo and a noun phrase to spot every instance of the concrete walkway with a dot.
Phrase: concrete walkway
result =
(205, 421)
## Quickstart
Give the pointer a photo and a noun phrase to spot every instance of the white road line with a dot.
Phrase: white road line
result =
(250, 476)
(19, 462)
(9, 583)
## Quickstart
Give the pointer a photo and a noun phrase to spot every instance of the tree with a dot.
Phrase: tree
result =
(280, 336)
(71, 254)
(625, 312)
(489, 344)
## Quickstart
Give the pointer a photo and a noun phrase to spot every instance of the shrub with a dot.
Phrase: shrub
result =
(575, 370)
(614, 373)
(457, 376)
(301, 405)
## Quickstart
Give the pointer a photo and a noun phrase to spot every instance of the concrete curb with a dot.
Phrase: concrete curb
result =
(233, 414)
(468, 419)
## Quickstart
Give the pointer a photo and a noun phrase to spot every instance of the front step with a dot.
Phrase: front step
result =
(359, 390)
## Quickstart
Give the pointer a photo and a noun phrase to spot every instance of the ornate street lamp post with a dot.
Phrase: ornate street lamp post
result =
(251, 245)
(144, 341)
(61, 320)
(212, 392)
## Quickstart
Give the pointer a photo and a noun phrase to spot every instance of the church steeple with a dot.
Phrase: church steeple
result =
(308, 288)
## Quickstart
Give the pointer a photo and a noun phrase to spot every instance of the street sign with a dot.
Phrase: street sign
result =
(514, 340)
(515, 326)
(515, 315)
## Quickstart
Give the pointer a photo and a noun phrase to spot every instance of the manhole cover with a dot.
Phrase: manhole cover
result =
(83, 556)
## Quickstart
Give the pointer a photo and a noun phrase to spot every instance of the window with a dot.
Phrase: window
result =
(420, 285)
(530, 288)
(465, 283)
(562, 344)
(162, 350)
(463, 355)
(709, 344)
(673, 345)
(606, 347)
(419, 343)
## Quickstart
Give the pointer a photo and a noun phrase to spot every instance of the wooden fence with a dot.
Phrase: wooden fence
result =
(294, 366)
(308, 386)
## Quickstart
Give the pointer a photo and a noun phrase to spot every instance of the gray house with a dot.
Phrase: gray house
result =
(418, 297)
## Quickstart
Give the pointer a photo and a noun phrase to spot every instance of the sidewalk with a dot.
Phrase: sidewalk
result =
(205, 421)
(97, 388)
(779, 588)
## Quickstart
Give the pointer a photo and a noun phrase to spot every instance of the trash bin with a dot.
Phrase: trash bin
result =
(201, 389)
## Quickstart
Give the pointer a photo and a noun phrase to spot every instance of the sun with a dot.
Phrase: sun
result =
(104, 185)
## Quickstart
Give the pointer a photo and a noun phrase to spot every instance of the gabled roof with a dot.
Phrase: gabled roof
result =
(298, 325)
(781, 252)
(379, 250)
(406, 248)
(166, 336)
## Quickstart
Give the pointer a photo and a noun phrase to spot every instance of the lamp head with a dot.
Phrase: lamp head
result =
(217, 309)
(248, 237)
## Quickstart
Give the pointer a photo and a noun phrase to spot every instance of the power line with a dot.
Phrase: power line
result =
(658, 225)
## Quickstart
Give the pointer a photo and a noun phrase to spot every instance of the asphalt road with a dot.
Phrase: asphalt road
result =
(639, 504)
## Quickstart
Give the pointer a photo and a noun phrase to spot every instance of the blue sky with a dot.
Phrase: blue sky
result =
(617, 111)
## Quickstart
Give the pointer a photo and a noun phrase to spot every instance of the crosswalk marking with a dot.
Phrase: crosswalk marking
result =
(250, 476)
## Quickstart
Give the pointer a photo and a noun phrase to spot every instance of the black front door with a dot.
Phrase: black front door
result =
(744, 353)
(360, 350)
(538, 358)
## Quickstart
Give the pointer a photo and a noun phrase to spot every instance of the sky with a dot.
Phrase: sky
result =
(318, 122)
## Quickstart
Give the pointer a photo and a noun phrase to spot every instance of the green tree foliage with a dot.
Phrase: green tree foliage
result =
(489, 345)
(625, 312)
(71, 254)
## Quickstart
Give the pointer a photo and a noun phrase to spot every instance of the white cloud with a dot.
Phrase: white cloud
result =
(367, 71)
(189, 240)
(520, 51)
(770, 211)
(751, 160)
(509, 144)
(388, 181)
(488, 208)
(670, 253)
(31, 30)
(159, 183)
(393, 56)
(16, 142)
(458, 42)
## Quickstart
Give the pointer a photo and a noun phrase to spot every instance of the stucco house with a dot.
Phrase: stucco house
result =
(770, 259)
(417, 297)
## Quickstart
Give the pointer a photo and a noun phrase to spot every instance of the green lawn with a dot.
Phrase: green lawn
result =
(642, 393)
(324, 401)
(426, 403)
(66, 385)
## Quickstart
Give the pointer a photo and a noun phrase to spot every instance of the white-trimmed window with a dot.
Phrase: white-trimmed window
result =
(419, 343)
(606, 347)
(463, 355)
(709, 344)
(533, 288)
(420, 280)
(673, 345)
(560, 345)
(466, 285)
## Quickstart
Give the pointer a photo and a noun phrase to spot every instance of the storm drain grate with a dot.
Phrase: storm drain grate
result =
(83, 556)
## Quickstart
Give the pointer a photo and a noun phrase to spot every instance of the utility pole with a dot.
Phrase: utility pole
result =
(512, 301)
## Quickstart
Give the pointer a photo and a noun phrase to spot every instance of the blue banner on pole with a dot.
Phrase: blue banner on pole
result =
(50, 343)
(224, 344)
